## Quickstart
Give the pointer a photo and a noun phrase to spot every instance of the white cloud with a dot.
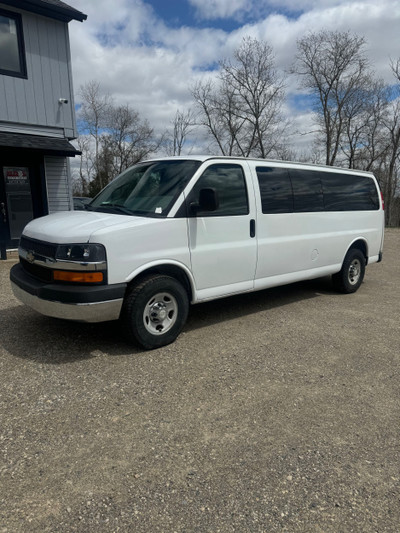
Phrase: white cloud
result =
(237, 9)
(301, 5)
(116, 19)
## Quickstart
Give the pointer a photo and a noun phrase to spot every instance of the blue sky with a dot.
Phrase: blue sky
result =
(176, 14)
(181, 13)
(149, 52)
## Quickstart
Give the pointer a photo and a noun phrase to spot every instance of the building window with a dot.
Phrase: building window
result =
(12, 51)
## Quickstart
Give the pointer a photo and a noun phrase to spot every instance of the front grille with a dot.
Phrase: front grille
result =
(37, 271)
(44, 249)
(39, 249)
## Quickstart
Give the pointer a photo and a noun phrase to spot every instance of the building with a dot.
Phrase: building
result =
(37, 115)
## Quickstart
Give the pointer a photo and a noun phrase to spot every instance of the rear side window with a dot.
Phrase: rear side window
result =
(343, 192)
(304, 191)
(275, 189)
(229, 182)
(307, 191)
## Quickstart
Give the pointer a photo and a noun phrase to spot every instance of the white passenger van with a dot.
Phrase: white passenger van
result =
(175, 231)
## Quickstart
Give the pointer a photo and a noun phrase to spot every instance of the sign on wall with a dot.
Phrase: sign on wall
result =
(16, 176)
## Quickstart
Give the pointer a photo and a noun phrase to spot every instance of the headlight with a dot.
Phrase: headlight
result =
(85, 253)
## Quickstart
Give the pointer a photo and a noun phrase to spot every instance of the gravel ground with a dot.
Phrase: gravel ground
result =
(276, 411)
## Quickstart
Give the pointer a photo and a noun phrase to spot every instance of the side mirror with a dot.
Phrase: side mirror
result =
(208, 201)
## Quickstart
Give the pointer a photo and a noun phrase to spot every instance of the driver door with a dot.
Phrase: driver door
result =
(222, 242)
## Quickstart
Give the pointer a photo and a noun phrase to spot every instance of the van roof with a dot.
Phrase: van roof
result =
(293, 164)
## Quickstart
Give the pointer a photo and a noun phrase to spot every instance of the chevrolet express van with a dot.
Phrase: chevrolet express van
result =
(175, 231)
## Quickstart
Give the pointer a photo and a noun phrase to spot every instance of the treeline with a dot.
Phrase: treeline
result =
(355, 116)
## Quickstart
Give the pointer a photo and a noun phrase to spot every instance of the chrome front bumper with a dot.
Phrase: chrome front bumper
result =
(81, 312)
(98, 303)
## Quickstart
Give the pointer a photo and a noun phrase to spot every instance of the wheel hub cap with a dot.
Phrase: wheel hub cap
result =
(354, 272)
(160, 313)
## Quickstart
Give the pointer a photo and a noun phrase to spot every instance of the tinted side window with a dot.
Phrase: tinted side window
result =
(343, 192)
(307, 190)
(275, 189)
(229, 182)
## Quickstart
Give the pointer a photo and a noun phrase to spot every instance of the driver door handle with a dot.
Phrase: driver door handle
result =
(252, 228)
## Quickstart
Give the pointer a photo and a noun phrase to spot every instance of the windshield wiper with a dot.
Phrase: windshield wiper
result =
(116, 207)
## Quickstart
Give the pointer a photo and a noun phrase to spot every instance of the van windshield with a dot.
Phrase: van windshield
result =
(147, 189)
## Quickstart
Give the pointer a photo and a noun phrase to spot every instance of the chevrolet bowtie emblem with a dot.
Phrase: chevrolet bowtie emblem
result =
(30, 257)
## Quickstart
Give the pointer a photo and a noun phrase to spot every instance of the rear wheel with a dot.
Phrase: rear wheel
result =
(352, 273)
(155, 311)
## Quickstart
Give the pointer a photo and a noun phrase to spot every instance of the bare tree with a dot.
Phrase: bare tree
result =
(183, 125)
(391, 124)
(130, 138)
(94, 115)
(217, 106)
(259, 95)
(241, 109)
(112, 138)
(81, 184)
(333, 67)
(363, 142)
(105, 167)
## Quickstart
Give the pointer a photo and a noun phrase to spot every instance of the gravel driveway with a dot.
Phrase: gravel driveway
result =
(275, 411)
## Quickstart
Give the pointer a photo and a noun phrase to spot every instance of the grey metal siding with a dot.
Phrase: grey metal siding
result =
(35, 100)
(57, 180)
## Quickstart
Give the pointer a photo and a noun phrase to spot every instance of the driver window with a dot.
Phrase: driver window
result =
(229, 182)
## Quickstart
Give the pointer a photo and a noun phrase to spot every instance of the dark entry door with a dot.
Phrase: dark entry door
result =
(23, 194)
(4, 225)
(18, 199)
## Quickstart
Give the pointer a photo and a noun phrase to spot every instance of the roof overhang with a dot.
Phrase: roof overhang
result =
(37, 143)
(55, 9)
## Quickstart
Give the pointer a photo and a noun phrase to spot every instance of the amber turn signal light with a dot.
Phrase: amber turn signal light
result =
(78, 277)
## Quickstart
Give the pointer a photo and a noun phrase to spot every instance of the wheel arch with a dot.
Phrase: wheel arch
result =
(173, 269)
(359, 244)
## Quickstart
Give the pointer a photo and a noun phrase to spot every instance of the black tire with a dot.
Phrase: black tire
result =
(154, 311)
(351, 275)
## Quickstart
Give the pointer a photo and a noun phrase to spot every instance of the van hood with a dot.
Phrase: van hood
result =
(76, 226)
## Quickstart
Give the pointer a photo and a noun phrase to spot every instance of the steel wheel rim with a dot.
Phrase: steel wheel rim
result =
(354, 272)
(160, 313)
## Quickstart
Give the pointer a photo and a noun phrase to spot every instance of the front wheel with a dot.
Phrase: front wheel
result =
(155, 311)
(352, 273)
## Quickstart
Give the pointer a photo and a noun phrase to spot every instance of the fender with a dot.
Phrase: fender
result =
(358, 240)
(165, 263)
